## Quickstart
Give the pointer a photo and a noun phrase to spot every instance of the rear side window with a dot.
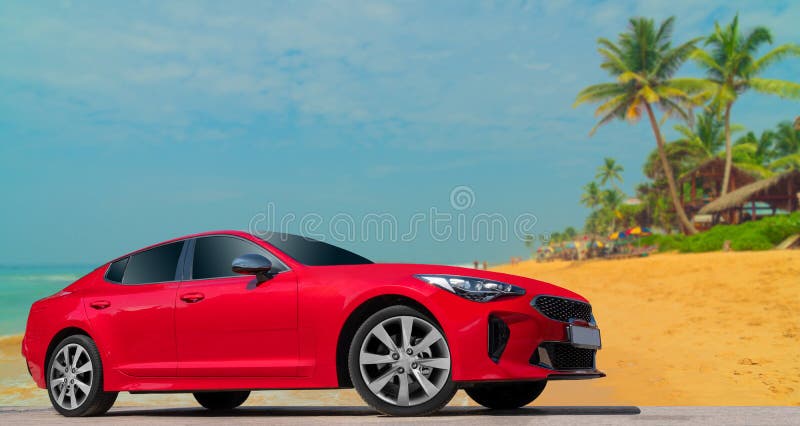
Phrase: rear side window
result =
(213, 256)
(117, 270)
(153, 266)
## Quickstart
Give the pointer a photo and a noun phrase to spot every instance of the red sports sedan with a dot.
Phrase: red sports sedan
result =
(222, 313)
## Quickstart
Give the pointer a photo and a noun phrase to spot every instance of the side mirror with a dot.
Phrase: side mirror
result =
(252, 264)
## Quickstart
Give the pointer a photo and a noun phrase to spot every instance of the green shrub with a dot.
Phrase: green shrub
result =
(762, 234)
(751, 241)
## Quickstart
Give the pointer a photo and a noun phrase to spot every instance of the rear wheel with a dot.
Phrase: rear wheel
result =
(399, 363)
(506, 396)
(75, 379)
(221, 400)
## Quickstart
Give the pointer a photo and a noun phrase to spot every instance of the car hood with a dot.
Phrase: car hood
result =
(403, 272)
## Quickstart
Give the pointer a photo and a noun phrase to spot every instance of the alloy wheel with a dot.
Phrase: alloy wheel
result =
(71, 376)
(405, 361)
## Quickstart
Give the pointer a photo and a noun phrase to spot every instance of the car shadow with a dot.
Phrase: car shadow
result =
(368, 412)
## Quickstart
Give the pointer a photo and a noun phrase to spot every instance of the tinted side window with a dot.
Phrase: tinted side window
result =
(213, 256)
(155, 265)
(116, 270)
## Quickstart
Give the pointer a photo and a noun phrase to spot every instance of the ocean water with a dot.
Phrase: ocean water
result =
(20, 286)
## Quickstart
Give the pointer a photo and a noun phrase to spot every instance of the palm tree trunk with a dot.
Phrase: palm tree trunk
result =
(673, 189)
(726, 176)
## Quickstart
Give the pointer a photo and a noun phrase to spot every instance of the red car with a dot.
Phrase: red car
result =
(222, 313)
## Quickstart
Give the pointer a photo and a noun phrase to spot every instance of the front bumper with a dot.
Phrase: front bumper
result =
(527, 335)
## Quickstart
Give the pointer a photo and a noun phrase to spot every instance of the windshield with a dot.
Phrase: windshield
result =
(312, 252)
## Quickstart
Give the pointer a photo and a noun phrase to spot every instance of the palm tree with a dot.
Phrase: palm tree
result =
(787, 139)
(644, 62)
(705, 139)
(787, 147)
(696, 144)
(611, 200)
(570, 233)
(731, 65)
(610, 171)
(594, 223)
(755, 153)
(591, 195)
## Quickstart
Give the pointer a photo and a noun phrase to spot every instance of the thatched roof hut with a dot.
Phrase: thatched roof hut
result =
(714, 169)
(780, 191)
(704, 184)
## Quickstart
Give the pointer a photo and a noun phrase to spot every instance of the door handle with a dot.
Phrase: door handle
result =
(192, 297)
(100, 304)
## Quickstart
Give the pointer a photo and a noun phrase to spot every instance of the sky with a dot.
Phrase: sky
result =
(127, 123)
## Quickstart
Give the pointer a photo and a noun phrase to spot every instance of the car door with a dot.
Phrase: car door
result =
(132, 313)
(228, 325)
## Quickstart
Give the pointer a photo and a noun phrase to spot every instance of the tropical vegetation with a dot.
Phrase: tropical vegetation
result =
(762, 234)
(733, 68)
(643, 63)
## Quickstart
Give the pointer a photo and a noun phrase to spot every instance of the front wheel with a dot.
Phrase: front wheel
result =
(399, 363)
(75, 379)
(506, 396)
(221, 400)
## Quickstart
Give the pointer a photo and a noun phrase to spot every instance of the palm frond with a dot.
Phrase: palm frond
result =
(702, 58)
(612, 63)
(649, 95)
(671, 108)
(775, 55)
(598, 92)
(674, 58)
(788, 162)
(665, 31)
(692, 85)
(755, 169)
(629, 76)
(617, 113)
(784, 89)
(757, 37)
(610, 104)
(608, 44)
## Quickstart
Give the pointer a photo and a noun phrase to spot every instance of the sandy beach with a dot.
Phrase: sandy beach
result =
(700, 329)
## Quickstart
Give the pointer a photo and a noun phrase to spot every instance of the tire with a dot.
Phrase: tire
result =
(221, 400)
(413, 378)
(74, 379)
(506, 396)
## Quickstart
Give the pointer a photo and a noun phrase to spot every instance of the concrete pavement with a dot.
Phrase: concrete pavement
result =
(578, 415)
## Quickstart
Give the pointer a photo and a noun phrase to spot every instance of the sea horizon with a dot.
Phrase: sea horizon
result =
(21, 285)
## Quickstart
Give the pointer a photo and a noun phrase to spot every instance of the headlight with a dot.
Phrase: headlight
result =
(475, 289)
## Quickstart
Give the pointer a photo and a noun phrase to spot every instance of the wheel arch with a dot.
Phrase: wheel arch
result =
(58, 337)
(359, 315)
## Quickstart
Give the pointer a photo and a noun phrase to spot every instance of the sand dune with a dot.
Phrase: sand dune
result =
(704, 329)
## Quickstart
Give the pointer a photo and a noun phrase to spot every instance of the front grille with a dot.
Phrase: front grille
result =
(563, 356)
(561, 309)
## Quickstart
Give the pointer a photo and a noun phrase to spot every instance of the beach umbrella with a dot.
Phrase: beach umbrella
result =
(570, 245)
(618, 235)
(638, 231)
